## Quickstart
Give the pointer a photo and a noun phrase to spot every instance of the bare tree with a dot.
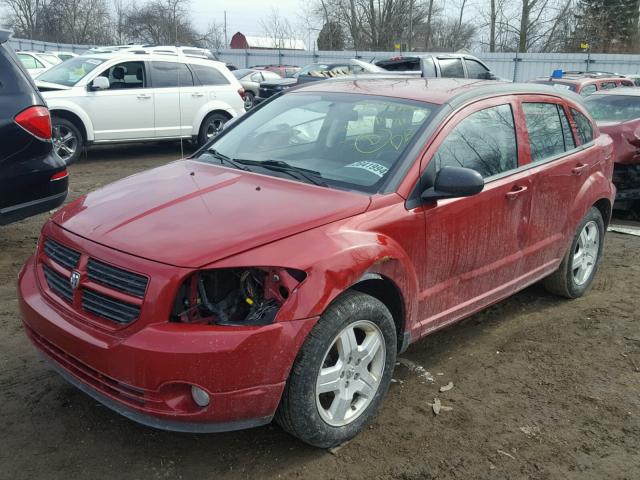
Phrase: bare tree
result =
(213, 36)
(277, 28)
(24, 16)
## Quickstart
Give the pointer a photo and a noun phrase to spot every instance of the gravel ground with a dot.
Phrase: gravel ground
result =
(543, 388)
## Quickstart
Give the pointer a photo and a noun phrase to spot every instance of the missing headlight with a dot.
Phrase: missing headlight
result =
(242, 296)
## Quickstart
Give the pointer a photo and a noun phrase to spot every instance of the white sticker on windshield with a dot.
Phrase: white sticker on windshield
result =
(370, 167)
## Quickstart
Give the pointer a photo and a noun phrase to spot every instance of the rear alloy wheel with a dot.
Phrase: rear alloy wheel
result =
(248, 100)
(67, 140)
(342, 372)
(211, 127)
(580, 264)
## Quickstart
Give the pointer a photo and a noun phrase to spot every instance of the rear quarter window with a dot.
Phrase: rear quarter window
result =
(583, 126)
(209, 75)
(549, 132)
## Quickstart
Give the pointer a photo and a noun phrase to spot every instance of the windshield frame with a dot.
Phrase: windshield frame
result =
(595, 98)
(396, 173)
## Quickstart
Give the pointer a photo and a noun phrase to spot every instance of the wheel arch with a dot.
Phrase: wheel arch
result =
(208, 110)
(605, 208)
(385, 290)
(73, 118)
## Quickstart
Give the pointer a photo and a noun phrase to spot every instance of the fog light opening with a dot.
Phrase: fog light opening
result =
(199, 396)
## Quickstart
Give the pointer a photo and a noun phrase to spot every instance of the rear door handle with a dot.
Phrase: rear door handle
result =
(197, 94)
(579, 169)
(516, 192)
(144, 96)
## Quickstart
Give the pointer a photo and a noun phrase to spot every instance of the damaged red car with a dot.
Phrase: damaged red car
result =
(617, 113)
(280, 271)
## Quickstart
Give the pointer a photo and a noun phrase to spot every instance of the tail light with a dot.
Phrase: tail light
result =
(59, 176)
(36, 120)
(241, 92)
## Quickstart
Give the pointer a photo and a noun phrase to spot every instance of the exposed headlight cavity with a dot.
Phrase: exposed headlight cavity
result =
(235, 296)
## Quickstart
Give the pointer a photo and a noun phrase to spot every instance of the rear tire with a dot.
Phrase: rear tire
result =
(580, 264)
(67, 140)
(333, 389)
(211, 126)
(249, 99)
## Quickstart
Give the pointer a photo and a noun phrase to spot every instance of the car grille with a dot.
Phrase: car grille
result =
(109, 308)
(117, 278)
(58, 283)
(110, 278)
(60, 254)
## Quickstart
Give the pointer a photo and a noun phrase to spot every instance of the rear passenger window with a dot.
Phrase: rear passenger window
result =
(484, 141)
(608, 85)
(209, 75)
(169, 74)
(451, 67)
(583, 126)
(546, 132)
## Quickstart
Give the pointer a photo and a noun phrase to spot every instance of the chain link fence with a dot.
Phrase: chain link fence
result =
(510, 66)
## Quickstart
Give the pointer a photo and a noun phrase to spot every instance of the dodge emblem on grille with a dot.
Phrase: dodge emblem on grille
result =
(75, 279)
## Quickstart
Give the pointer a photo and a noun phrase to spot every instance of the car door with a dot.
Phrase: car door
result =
(176, 98)
(124, 111)
(474, 246)
(559, 165)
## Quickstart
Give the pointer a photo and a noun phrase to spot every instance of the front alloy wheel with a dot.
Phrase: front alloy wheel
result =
(341, 373)
(67, 140)
(351, 373)
(586, 253)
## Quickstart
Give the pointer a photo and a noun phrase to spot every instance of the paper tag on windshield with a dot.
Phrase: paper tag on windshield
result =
(371, 167)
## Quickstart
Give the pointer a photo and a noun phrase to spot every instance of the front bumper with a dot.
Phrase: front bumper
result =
(147, 376)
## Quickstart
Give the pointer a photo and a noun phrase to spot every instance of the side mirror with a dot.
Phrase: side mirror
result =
(454, 182)
(99, 83)
(489, 76)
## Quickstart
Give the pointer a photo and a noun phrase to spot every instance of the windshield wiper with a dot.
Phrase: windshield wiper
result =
(224, 159)
(300, 173)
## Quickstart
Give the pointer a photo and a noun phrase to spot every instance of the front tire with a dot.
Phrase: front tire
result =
(249, 99)
(342, 372)
(211, 126)
(581, 262)
(67, 140)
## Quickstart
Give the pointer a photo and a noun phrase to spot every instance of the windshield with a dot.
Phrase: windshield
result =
(347, 141)
(52, 59)
(613, 108)
(70, 72)
(241, 72)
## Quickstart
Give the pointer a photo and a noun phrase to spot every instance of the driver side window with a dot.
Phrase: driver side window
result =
(125, 75)
(485, 141)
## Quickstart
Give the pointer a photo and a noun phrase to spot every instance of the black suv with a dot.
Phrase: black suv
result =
(32, 177)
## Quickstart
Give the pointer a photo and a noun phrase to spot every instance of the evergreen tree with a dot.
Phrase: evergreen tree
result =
(607, 26)
(331, 37)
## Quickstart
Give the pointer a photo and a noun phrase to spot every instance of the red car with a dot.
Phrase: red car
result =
(617, 113)
(281, 269)
(586, 83)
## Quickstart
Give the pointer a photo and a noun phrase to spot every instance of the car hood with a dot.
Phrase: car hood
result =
(190, 213)
(50, 87)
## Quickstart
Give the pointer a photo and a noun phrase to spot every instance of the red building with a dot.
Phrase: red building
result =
(242, 41)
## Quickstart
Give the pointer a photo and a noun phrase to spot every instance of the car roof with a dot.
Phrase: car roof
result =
(432, 90)
(626, 91)
(139, 55)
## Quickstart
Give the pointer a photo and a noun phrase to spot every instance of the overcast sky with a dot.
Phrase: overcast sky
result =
(242, 15)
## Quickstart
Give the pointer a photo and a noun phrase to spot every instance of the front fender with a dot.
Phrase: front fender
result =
(334, 257)
(206, 109)
(61, 104)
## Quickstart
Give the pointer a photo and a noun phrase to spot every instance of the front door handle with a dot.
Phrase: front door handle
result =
(516, 192)
(196, 94)
(579, 169)
(144, 96)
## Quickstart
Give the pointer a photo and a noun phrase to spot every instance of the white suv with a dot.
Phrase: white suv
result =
(130, 97)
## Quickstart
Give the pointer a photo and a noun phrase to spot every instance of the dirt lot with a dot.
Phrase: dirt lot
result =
(543, 388)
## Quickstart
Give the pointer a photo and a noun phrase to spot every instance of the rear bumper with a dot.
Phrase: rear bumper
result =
(147, 376)
(24, 210)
